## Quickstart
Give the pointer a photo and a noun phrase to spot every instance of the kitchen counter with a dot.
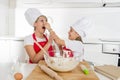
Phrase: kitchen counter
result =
(101, 40)
(86, 40)
(25, 69)
(11, 38)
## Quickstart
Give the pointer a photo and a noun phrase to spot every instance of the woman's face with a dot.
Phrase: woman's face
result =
(39, 24)
(72, 34)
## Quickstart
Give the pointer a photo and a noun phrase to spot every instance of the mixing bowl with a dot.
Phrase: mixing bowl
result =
(62, 63)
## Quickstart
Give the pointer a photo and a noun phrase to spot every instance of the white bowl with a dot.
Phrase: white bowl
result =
(62, 64)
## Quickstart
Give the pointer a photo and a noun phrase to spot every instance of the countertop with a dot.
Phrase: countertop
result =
(11, 38)
(101, 40)
(7, 71)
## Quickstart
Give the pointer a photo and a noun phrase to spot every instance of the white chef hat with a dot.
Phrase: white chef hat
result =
(82, 25)
(31, 15)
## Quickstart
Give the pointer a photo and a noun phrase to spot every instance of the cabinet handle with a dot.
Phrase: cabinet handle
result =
(114, 49)
(18, 40)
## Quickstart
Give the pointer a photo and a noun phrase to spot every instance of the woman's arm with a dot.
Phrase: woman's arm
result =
(36, 57)
(32, 54)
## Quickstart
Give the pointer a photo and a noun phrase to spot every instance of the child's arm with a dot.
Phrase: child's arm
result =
(59, 41)
(54, 36)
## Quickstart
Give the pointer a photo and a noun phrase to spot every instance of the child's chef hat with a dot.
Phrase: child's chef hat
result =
(31, 15)
(81, 26)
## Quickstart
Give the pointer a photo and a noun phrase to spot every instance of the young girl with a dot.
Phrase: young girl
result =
(76, 33)
(39, 22)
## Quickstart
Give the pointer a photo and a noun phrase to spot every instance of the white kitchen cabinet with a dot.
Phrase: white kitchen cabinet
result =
(111, 48)
(4, 51)
(12, 50)
(68, 3)
(93, 53)
(17, 50)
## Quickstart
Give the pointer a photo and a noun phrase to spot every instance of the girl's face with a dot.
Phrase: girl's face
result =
(39, 24)
(72, 34)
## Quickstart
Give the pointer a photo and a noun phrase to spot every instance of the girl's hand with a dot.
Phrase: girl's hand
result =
(47, 26)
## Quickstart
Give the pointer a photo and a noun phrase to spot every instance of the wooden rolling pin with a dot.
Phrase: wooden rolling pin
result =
(50, 72)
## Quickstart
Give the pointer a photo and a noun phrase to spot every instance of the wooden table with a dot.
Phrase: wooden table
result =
(76, 74)
(26, 69)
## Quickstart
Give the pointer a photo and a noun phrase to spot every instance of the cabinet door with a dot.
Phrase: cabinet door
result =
(93, 53)
(4, 51)
(17, 50)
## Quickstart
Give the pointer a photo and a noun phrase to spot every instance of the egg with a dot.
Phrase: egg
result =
(18, 76)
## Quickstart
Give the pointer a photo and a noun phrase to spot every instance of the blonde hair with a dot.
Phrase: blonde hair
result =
(79, 39)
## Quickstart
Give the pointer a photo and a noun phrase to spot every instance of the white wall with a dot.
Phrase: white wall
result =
(105, 21)
(4, 6)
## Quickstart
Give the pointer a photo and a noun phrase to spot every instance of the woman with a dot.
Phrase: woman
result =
(39, 22)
